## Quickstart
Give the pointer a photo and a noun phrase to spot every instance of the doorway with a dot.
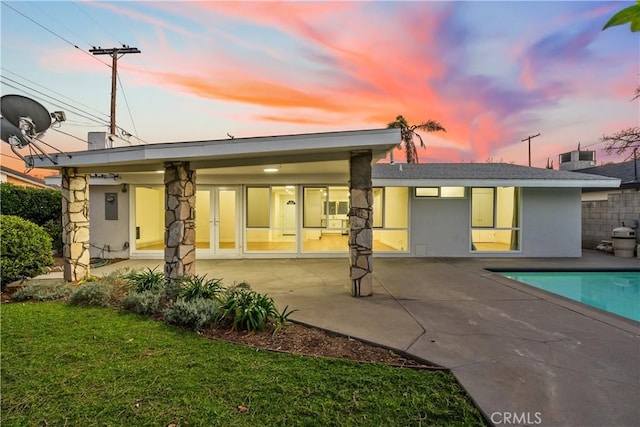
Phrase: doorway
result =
(217, 225)
(217, 221)
(217, 218)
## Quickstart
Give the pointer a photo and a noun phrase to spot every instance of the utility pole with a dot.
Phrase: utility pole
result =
(115, 53)
(529, 138)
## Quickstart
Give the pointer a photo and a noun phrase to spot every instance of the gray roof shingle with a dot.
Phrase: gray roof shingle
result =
(627, 172)
(498, 171)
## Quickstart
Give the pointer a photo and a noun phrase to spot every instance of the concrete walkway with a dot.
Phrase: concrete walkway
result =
(521, 354)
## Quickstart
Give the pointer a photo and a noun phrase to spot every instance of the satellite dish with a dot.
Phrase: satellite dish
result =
(11, 134)
(17, 107)
(24, 122)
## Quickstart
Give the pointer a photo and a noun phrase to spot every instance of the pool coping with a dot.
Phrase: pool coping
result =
(603, 316)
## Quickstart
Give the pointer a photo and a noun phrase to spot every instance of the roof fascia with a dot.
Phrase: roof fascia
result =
(377, 140)
(538, 183)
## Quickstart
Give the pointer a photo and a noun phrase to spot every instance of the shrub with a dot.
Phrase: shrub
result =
(146, 280)
(92, 293)
(25, 249)
(120, 286)
(146, 302)
(38, 205)
(43, 291)
(195, 314)
(282, 318)
(193, 287)
(247, 310)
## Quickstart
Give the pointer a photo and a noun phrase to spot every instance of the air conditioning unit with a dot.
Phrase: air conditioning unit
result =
(98, 140)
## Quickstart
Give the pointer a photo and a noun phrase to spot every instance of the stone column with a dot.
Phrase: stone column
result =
(179, 220)
(75, 222)
(360, 221)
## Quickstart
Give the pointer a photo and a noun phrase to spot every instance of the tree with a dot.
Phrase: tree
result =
(629, 15)
(624, 140)
(408, 134)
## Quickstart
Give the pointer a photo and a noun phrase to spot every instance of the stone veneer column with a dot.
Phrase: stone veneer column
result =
(360, 220)
(75, 222)
(179, 220)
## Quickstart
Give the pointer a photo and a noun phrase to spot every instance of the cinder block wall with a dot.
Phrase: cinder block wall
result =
(599, 218)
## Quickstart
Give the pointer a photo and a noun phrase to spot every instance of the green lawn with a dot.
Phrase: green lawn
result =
(67, 365)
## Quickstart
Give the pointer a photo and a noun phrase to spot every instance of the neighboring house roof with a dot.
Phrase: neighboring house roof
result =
(314, 147)
(19, 178)
(627, 172)
(483, 174)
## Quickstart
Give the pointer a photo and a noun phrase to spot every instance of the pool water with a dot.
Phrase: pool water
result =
(617, 292)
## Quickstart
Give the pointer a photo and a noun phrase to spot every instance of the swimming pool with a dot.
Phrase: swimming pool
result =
(617, 292)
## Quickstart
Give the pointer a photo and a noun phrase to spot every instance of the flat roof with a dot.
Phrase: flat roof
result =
(482, 174)
(301, 148)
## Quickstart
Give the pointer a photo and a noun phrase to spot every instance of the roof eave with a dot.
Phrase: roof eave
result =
(239, 152)
(457, 182)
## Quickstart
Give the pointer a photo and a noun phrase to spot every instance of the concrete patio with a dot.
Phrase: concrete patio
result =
(522, 355)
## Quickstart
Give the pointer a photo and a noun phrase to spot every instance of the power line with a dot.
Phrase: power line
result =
(94, 118)
(68, 134)
(53, 18)
(53, 91)
(115, 53)
(53, 32)
(64, 104)
(124, 95)
(95, 22)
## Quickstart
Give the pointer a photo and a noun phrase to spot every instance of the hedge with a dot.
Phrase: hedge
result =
(42, 206)
(25, 249)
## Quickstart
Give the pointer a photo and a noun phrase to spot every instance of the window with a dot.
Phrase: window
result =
(452, 192)
(441, 192)
(149, 206)
(427, 192)
(378, 205)
(271, 219)
(315, 201)
(495, 219)
(258, 207)
(391, 234)
(482, 207)
(326, 223)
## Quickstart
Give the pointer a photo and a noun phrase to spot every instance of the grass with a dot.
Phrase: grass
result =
(69, 365)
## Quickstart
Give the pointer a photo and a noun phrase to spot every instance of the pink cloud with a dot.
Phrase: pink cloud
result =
(155, 22)
(380, 67)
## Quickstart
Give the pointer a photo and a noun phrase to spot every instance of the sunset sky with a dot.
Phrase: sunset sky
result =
(491, 72)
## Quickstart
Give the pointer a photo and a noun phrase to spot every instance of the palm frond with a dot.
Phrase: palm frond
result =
(408, 134)
(430, 126)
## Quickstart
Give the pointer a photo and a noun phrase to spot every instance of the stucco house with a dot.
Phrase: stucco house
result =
(311, 195)
(15, 177)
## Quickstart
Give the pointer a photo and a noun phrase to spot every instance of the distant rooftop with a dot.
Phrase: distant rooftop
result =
(627, 172)
(21, 176)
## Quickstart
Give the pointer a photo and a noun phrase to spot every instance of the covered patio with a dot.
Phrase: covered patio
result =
(349, 153)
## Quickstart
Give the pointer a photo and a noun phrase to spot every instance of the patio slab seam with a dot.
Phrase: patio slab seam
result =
(407, 312)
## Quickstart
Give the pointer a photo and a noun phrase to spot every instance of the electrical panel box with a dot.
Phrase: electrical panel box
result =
(111, 206)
